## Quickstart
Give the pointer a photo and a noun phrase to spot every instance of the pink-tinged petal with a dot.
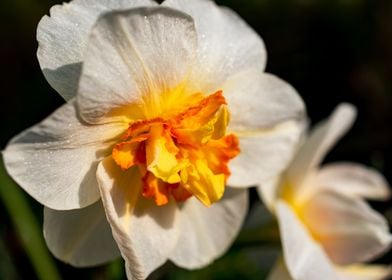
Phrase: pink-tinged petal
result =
(80, 237)
(264, 155)
(63, 37)
(227, 45)
(208, 232)
(348, 229)
(145, 233)
(132, 58)
(366, 272)
(353, 179)
(55, 161)
(320, 141)
(304, 257)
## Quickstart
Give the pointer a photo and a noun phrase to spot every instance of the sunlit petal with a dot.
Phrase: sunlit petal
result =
(264, 155)
(143, 55)
(221, 53)
(259, 101)
(63, 36)
(56, 160)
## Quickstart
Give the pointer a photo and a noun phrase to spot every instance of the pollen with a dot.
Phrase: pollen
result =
(182, 156)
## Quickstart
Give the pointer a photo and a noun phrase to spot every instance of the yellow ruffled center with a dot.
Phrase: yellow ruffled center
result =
(181, 156)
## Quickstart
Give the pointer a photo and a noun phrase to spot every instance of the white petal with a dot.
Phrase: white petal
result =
(63, 36)
(208, 232)
(279, 271)
(268, 192)
(133, 56)
(264, 155)
(55, 161)
(320, 141)
(353, 179)
(227, 45)
(305, 259)
(258, 100)
(268, 115)
(349, 230)
(80, 237)
(366, 272)
(144, 232)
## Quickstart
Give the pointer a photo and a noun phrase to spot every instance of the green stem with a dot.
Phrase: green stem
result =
(115, 270)
(27, 227)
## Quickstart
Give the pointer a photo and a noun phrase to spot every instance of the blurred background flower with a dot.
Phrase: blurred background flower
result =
(330, 50)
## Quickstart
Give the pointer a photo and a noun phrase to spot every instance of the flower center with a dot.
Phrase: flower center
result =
(185, 155)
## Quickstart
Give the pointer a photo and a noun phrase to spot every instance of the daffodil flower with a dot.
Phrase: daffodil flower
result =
(166, 105)
(327, 229)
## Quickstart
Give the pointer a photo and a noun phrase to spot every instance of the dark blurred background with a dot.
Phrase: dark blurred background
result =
(331, 51)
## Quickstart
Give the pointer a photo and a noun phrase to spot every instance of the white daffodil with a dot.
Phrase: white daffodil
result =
(145, 130)
(327, 229)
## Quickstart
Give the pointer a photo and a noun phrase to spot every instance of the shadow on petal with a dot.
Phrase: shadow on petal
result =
(163, 215)
(67, 87)
(128, 201)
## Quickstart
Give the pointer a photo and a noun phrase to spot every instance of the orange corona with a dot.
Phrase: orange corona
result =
(182, 156)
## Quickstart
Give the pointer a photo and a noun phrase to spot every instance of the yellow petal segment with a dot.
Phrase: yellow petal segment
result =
(161, 156)
(204, 184)
(220, 123)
